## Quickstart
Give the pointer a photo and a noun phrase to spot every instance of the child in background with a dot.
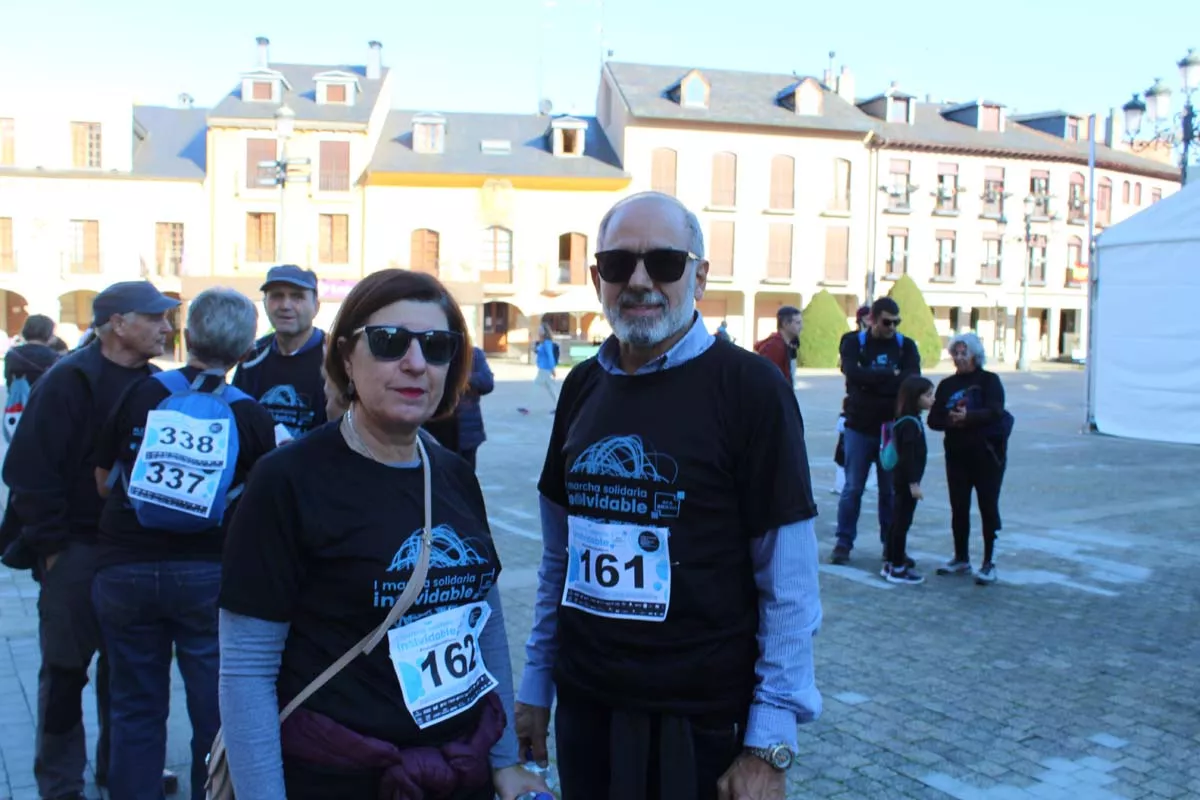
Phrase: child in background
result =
(908, 433)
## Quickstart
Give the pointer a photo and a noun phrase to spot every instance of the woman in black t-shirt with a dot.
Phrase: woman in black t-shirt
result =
(327, 538)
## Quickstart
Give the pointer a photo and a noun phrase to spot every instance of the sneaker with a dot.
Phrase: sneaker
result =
(955, 567)
(840, 555)
(834, 490)
(905, 576)
(908, 562)
(986, 574)
(885, 570)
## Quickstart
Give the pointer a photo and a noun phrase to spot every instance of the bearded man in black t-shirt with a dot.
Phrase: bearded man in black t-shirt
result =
(678, 589)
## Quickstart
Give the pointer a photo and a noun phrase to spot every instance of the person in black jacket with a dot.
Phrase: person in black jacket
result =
(908, 436)
(49, 470)
(969, 407)
(875, 362)
(34, 355)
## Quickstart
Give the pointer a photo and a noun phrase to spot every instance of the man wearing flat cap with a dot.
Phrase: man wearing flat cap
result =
(49, 472)
(283, 373)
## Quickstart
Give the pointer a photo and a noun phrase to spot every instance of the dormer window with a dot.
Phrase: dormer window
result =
(567, 136)
(990, 119)
(805, 98)
(898, 109)
(429, 133)
(892, 106)
(263, 86)
(336, 88)
(692, 91)
(979, 114)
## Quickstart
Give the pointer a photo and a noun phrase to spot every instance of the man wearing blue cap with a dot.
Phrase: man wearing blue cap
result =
(49, 471)
(284, 372)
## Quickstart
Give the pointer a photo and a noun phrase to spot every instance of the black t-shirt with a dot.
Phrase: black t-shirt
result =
(326, 539)
(291, 387)
(122, 538)
(712, 450)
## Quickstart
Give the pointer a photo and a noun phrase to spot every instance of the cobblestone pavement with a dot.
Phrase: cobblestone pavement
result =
(1073, 677)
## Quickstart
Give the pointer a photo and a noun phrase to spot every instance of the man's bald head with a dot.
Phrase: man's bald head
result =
(691, 237)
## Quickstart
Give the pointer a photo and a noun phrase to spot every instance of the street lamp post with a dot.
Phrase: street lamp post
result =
(1023, 358)
(285, 125)
(1181, 130)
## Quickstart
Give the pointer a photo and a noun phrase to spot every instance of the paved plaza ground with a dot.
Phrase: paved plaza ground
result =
(1075, 677)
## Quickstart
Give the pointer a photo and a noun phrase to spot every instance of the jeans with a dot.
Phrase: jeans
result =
(144, 609)
(69, 637)
(862, 450)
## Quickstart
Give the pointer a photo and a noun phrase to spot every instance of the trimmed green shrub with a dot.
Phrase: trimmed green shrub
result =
(824, 326)
(917, 321)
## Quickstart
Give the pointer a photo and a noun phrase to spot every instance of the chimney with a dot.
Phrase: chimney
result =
(374, 61)
(264, 54)
(845, 85)
(1109, 137)
(827, 78)
(186, 100)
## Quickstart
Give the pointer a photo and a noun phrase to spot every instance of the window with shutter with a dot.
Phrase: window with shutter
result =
(335, 167)
(257, 151)
(841, 185)
(572, 259)
(496, 258)
(990, 269)
(335, 93)
(261, 90)
(168, 248)
(84, 245)
(724, 180)
(425, 253)
(1104, 201)
(260, 237)
(1137, 194)
(85, 145)
(783, 182)
(334, 239)
(8, 260)
(837, 254)
(944, 266)
(897, 262)
(779, 252)
(1074, 260)
(720, 260)
(662, 170)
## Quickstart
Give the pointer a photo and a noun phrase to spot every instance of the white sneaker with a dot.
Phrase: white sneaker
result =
(986, 575)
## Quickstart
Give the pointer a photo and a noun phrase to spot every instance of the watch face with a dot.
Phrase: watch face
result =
(781, 758)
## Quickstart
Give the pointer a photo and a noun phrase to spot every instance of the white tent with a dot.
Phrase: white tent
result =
(1144, 364)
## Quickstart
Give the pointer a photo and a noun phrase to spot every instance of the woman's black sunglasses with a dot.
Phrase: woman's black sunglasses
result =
(663, 266)
(391, 343)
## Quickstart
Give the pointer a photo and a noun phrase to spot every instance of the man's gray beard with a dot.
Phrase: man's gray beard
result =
(647, 332)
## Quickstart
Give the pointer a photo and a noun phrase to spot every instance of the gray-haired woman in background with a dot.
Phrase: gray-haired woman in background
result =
(969, 408)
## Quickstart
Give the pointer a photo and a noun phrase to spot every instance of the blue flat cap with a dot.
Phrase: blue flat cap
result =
(140, 297)
(291, 274)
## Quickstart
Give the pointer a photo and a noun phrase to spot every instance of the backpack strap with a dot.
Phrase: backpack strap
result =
(174, 380)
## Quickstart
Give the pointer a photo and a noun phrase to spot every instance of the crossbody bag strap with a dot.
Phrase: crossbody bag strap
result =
(409, 596)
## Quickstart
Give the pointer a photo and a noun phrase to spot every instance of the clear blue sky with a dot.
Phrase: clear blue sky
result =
(484, 54)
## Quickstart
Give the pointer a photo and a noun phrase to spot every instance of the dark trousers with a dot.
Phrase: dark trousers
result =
(469, 455)
(979, 469)
(305, 781)
(145, 610)
(582, 737)
(69, 637)
(904, 506)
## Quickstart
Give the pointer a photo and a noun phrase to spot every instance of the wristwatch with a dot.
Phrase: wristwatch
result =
(779, 756)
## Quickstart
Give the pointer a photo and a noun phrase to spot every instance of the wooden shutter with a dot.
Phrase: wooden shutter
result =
(335, 167)
(662, 170)
(258, 150)
(7, 260)
(1137, 194)
(783, 182)
(162, 241)
(79, 144)
(1125, 192)
(837, 253)
(7, 142)
(261, 90)
(990, 118)
(779, 252)
(720, 262)
(260, 237)
(91, 246)
(424, 255)
(898, 166)
(325, 239)
(993, 174)
(341, 238)
(335, 93)
(841, 184)
(724, 180)
(578, 259)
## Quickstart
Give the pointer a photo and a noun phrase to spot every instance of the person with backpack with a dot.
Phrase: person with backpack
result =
(49, 470)
(24, 364)
(546, 353)
(875, 361)
(905, 454)
(171, 460)
(969, 408)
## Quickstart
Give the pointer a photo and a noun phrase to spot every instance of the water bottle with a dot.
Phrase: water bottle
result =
(549, 775)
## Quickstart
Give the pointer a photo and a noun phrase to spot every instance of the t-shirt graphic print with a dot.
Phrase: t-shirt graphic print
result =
(289, 407)
(614, 568)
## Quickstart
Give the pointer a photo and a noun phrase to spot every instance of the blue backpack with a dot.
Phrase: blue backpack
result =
(889, 456)
(14, 406)
(181, 478)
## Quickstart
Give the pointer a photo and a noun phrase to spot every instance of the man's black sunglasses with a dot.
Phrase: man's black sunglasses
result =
(391, 343)
(663, 266)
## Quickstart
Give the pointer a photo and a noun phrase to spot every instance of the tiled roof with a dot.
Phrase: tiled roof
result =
(750, 98)
(737, 98)
(174, 145)
(302, 97)
(530, 154)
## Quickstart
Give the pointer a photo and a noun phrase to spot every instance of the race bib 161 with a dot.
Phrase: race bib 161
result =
(618, 570)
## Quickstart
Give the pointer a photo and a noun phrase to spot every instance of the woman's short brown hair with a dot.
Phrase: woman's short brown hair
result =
(381, 289)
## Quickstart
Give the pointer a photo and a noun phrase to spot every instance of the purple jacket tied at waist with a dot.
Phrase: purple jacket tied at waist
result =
(410, 773)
